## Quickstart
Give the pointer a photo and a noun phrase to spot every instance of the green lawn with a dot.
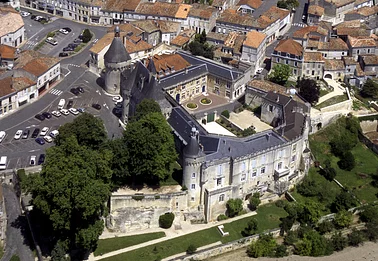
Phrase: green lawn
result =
(112, 244)
(268, 218)
(324, 92)
(332, 101)
(358, 180)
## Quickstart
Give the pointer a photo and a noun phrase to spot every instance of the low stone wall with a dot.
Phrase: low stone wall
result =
(345, 105)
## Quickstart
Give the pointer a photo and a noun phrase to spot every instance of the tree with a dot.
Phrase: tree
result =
(372, 231)
(264, 246)
(328, 172)
(234, 207)
(339, 242)
(280, 74)
(87, 36)
(356, 237)
(248, 131)
(347, 162)
(343, 218)
(71, 192)
(343, 143)
(281, 251)
(325, 227)
(288, 4)
(370, 89)
(254, 201)
(310, 214)
(291, 238)
(166, 220)
(200, 47)
(59, 252)
(312, 244)
(369, 214)
(309, 90)
(146, 107)
(151, 148)
(286, 224)
(345, 201)
(191, 249)
(226, 113)
(88, 130)
(251, 228)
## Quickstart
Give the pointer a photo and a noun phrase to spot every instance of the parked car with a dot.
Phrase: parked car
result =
(48, 139)
(260, 70)
(64, 112)
(51, 40)
(61, 104)
(73, 111)
(41, 158)
(56, 113)
(96, 106)
(40, 141)
(33, 17)
(2, 135)
(81, 110)
(33, 160)
(63, 54)
(69, 104)
(54, 133)
(78, 41)
(80, 89)
(35, 133)
(117, 112)
(37, 18)
(73, 45)
(67, 29)
(25, 14)
(47, 115)
(18, 134)
(68, 49)
(119, 105)
(40, 117)
(25, 134)
(75, 91)
(117, 99)
(44, 131)
(63, 31)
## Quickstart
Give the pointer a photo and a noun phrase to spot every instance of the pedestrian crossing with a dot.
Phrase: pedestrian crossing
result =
(95, 40)
(299, 25)
(30, 44)
(55, 92)
(74, 65)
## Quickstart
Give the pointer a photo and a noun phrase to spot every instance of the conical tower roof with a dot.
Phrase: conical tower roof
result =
(151, 66)
(117, 52)
(192, 149)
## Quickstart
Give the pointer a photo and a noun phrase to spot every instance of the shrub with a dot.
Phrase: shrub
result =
(344, 200)
(325, 227)
(264, 246)
(254, 201)
(226, 114)
(191, 249)
(291, 238)
(251, 228)
(137, 197)
(184, 188)
(280, 203)
(222, 217)
(191, 105)
(248, 131)
(166, 220)
(344, 143)
(369, 214)
(347, 161)
(339, 242)
(205, 101)
(329, 173)
(51, 34)
(343, 219)
(356, 238)
(281, 251)
(234, 207)
(87, 36)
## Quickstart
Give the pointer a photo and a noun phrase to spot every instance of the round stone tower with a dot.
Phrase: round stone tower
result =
(193, 159)
(116, 60)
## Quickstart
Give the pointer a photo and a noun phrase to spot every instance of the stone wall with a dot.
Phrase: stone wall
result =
(345, 105)
(369, 126)
(137, 212)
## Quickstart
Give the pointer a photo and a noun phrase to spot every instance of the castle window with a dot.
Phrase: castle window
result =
(279, 166)
(270, 108)
(242, 167)
(220, 171)
(221, 197)
(192, 199)
(219, 181)
(193, 175)
(243, 177)
(262, 170)
(217, 81)
(228, 85)
(193, 186)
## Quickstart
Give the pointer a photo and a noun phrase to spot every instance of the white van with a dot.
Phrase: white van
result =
(54, 133)
(3, 162)
(61, 104)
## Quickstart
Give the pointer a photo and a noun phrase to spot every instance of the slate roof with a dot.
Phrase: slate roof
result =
(116, 52)
(213, 68)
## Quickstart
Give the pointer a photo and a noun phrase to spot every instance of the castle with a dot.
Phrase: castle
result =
(216, 168)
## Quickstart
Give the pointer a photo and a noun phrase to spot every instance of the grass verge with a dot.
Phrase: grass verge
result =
(112, 244)
(267, 217)
(332, 101)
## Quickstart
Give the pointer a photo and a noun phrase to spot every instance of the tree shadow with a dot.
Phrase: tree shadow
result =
(21, 223)
(100, 82)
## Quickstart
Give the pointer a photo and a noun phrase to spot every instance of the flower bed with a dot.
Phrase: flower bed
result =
(192, 106)
(205, 101)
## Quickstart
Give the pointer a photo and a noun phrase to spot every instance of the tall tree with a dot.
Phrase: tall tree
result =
(309, 90)
(88, 130)
(151, 148)
(71, 191)
(280, 74)
(145, 107)
(370, 89)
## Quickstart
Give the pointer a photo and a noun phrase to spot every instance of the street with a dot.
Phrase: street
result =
(16, 243)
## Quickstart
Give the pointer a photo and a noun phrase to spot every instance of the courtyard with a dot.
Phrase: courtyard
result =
(213, 100)
(246, 119)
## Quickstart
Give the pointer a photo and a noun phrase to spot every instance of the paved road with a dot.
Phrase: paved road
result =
(15, 241)
(264, 7)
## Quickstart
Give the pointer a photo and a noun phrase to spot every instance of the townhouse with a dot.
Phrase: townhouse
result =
(253, 49)
(157, 31)
(202, 18)
(311, 33)
(335, 48)
(313, 65)
(248, 6)
(314, 14)
(230, 48)
(7, 56)
(12, 31)
(361, 46)
(291, 53)
(334, 69)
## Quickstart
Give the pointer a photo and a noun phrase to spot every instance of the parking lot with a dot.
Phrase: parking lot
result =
(62, 41)
(20, 151)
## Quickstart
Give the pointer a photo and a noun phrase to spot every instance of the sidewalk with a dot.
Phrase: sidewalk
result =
(187, 228)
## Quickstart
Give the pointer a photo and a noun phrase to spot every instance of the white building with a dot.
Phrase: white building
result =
(253, 50)
(12, 27)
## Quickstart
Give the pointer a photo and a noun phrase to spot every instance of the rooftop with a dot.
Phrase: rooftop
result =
(315, 10)
(164, 9)
(168, 63)
(7, 52)
(313, 57)
(305, 31)
(6, 87)
(150, 26)
(268, 86)
(370, 59)
(202, 11)
(232, 17)
(289, 46)
(254, 39)
(180, 40)
(334, 65)
(340, 3)
(334, 44)
(116, 5)
(361, 41)
(252, 3)
(216, 36)
(10, 21)
(39, 66)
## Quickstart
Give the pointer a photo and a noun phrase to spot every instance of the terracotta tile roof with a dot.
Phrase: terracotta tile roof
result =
(315, 10)
(218, 3)
(7, 52)
(39, 66)
(349, 60)
(352, 23)
(10, 22)
(368, 11)
(370, 59)
(117, 5)
(202, 11)
(6, 87)
(361, 41)
(334, 65)
(89, 3)
(340, 3)
(168, 62)
(150, 26)
(27, 56)
(272, 15)
(352, 31)
(180, 40)
(252, 3)
(360, 2)
(136, 45)
(216, 36)
(289, 46)
(303, 32)
(127, 28)
(106, 40)
(164, 9)
(359, 71)
(334, 44)
(20, 83)
(232, 17)
(268, 86)
(313, 57)
(312, 43)
(254, 39)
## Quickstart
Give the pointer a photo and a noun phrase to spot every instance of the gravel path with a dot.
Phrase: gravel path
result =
(368, 251)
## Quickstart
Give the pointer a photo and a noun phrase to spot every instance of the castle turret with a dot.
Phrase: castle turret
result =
(193, 159)
(116, 60)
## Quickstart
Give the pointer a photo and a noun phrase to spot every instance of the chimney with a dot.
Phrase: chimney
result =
(186, 70)
(268, 136)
